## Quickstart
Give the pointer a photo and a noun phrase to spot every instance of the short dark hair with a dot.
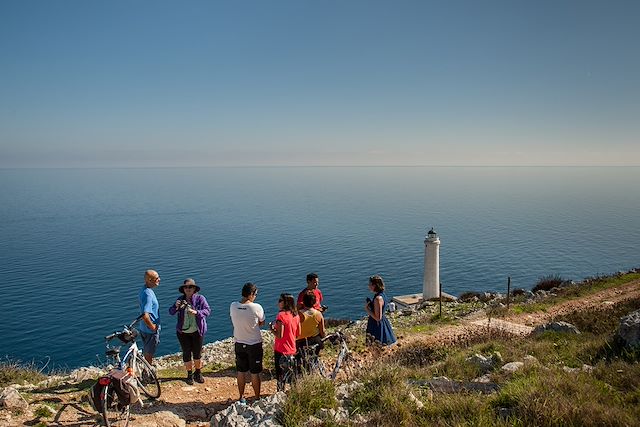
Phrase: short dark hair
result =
(249, 289)
(309, 299)
(311, 276)
(377, 282)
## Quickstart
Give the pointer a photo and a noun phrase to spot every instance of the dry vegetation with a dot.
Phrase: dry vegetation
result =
(569, 380)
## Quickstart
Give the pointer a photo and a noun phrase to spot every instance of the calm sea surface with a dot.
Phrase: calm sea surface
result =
(75, 243)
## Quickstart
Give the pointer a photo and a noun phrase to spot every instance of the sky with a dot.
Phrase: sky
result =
(87, 83)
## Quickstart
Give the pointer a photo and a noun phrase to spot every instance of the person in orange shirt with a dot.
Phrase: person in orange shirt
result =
(311, 324)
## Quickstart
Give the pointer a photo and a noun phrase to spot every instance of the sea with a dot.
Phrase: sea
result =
(75, 242)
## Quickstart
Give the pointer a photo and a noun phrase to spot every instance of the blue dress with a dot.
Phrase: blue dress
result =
(380, 331)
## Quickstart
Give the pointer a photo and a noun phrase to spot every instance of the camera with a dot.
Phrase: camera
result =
(183, 304)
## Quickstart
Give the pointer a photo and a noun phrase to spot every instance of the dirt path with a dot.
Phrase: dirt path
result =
(196, 404)
(523, 324)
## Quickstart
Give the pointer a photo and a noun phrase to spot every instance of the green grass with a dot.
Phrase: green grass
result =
(17, 372)
(43, 412)
(555, 397)
(420, 329)
(530, 308)
(384, 396)
(541, 393)
(306, 398)
(588, 287)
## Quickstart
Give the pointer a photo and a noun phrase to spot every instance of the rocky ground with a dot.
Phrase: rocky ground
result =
(62, 401)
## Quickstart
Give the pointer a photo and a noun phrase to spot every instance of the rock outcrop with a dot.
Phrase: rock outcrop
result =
(629, 330)
(561, 327)
(260, 414)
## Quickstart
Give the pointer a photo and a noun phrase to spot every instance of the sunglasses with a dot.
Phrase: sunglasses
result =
(188, 287)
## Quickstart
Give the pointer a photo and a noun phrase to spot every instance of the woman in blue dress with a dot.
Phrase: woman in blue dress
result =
(378, 326)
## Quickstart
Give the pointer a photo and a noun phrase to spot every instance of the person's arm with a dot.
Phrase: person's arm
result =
(377, 308)
(174, 308)
(147, 321)
(147, 307)
(261, 318)
(204, 310)
(300, 303)
(279, 329)
(321, 326)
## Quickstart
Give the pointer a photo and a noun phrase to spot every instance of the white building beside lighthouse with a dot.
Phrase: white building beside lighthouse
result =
(431, 278)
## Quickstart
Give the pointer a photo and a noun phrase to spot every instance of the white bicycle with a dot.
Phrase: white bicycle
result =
(113, 402)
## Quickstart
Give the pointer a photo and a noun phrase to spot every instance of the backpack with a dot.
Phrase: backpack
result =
(122, 384)
(125, 387)
(96, 392)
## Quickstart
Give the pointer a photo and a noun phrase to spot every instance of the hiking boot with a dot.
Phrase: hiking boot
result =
(198, 376)
(189, 379)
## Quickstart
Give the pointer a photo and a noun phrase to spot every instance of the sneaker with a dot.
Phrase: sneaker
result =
(242, 401)
(198, 377)
(189, 379)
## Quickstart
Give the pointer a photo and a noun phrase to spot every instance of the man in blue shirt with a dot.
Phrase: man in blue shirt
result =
(150, 326)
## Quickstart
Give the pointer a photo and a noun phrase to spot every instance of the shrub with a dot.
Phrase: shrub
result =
(554, 397)
(547, 283)
(419, 355)
(457, 410)
(17, 372)
(470, 296)
(384, 397)
(43, 411)
(602, 320)
(330, 322)
(307, 396)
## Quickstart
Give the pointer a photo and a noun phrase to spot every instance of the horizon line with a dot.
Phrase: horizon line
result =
(312, 166)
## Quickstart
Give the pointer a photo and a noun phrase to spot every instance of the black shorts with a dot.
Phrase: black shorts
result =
(249, 357)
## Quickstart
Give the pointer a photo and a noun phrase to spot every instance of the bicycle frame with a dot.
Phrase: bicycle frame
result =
(312, 363)
(130, 355)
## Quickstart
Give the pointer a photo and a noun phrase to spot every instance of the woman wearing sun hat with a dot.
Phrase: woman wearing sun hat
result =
(193, 310)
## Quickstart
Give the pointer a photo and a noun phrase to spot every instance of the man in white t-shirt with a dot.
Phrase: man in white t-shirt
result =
(247, 317)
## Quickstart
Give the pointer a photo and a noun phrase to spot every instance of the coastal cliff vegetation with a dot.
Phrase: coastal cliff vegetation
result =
(480, 362)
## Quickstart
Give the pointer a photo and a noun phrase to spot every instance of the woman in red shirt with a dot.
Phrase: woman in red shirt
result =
(286, 329)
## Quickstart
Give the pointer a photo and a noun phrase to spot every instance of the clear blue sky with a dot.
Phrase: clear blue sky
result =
(204, 83)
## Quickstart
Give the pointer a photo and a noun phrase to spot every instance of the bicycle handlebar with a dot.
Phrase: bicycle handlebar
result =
(336, 336)
(126, 328)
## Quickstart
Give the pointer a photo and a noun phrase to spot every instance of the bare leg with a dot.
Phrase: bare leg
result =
(148, 358)
(188, 365)
(256, 382)
(197, 364)
(241, 381)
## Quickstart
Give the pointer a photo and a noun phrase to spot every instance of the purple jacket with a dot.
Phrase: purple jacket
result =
(200, 304)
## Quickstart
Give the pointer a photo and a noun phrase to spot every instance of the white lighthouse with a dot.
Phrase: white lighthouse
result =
(431, 280)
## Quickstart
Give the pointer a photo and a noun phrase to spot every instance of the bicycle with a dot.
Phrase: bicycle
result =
(311, 363)
(344, 360)
(114, 405)
(290, 367)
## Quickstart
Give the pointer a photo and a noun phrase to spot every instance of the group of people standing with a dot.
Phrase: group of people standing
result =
(299, 323)
(192, 310)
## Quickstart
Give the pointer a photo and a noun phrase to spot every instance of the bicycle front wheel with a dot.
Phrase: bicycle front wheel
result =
(286, 379)
(345, 367)
(317, 367)
(147, 378)
(114, 412)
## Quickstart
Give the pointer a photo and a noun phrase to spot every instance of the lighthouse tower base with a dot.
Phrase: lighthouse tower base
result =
(414, 300)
